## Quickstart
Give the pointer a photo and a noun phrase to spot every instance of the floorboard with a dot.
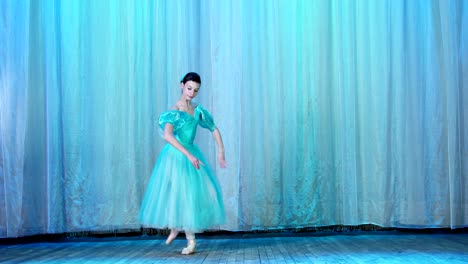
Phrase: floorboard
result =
(352, 247)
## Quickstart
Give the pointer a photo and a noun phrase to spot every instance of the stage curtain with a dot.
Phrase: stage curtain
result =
(332, 112)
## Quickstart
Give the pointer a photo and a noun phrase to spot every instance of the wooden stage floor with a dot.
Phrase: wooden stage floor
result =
(317, 247)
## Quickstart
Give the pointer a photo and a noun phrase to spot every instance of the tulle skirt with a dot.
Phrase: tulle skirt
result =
(178, 196)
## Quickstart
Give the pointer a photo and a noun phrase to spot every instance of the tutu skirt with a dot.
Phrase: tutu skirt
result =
(179, 196)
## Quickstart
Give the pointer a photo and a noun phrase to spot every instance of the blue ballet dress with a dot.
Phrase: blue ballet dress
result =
(179, 196)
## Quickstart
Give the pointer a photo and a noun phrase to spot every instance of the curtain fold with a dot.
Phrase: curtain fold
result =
(332, 112)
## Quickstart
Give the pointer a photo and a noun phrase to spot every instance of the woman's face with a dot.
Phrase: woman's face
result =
(190, 90)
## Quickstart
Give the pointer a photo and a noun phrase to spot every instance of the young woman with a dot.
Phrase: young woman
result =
(183, 193)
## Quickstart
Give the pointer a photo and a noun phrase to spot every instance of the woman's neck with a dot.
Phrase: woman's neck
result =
(185, 104)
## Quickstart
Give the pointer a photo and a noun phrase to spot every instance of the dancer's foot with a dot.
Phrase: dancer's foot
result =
(171, 236)
(190, 249)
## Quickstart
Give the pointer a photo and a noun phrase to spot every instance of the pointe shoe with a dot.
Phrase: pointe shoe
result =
(171, 236)
(190, 249)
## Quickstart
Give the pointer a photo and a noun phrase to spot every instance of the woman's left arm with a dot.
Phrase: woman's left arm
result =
(219, 142)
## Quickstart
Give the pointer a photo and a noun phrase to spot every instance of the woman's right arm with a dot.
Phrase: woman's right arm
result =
(169, 137)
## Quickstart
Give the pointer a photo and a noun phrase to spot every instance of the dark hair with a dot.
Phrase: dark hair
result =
(191, 76)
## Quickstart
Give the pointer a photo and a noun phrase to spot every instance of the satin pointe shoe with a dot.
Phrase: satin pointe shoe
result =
(190, 249)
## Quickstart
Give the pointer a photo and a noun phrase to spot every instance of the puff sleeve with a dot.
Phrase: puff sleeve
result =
(205, 119)
(172, 117)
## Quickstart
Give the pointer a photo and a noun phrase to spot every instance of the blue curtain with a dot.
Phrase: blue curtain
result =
(332, 112)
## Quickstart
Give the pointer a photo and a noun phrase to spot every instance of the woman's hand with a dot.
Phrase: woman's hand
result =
(195, 162)
(219, 142)
(221, 159)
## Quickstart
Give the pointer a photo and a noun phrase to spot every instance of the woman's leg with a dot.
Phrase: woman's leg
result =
(190, 249)
(172, 236)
